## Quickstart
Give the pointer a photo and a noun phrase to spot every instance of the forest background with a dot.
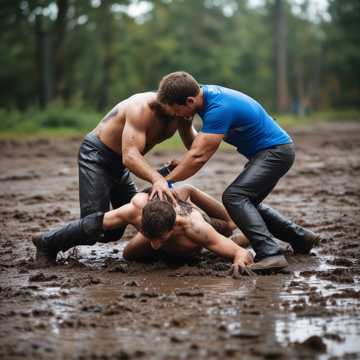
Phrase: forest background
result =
(65, 63)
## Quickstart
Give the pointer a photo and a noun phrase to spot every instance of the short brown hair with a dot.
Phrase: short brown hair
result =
(158, 217)
(176, 87)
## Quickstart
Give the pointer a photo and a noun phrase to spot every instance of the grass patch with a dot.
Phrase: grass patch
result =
(55, 119)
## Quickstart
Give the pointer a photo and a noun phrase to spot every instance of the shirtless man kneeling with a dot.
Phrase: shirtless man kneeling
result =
(180, 231)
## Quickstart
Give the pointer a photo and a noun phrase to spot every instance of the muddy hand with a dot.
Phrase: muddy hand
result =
(237, 270)
(161, 189)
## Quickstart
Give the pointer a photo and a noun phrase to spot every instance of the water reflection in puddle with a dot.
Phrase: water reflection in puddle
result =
(223, 297)
(294, 329)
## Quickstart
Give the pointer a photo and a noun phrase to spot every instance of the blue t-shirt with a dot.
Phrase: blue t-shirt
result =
(243, 120)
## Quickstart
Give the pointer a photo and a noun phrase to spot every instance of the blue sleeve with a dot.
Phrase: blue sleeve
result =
(216, 121)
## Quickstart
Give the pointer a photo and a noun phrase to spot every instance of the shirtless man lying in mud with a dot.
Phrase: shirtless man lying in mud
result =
(179, 231)
(197, 221)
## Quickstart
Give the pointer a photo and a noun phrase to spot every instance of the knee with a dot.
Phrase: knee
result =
(230, 197)
(263, 208)
(112, 235)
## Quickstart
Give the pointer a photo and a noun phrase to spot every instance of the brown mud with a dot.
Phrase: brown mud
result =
(94, 305)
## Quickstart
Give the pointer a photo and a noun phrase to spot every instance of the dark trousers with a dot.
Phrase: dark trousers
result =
(243, 197)
(103, 180)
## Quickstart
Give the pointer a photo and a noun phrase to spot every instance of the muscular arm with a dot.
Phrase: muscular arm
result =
(133, 145)
(202, 148)
(127, 214)
(205, 235)
(187, 132)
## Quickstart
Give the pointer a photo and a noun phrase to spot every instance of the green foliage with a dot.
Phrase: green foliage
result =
(56, 118)
(109, 55)
(342, 51)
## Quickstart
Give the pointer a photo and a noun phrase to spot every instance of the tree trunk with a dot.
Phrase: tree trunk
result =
(108, 57)
(43, 62)
(301, 97)
(282, 97)
(59, 48)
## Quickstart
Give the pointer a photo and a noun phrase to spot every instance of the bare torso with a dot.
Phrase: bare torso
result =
(110, 130)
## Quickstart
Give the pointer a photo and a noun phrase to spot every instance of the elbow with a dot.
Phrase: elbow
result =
(189, 189)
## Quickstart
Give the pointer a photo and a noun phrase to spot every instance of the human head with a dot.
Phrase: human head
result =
(179, 94)
(157, 222)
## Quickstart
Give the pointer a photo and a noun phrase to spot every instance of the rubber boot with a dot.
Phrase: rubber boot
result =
(86, 231)
(301, 240)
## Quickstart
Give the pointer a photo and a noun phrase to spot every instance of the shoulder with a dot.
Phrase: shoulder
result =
(138, 108)
(140, 200)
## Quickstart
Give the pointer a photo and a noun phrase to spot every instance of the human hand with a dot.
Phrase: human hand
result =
(241, 263)
(161, 188)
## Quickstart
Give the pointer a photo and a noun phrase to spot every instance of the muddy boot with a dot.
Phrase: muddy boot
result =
(302, 240)
(86, 231)
(285, 247)
(311, 239)
(269, 263)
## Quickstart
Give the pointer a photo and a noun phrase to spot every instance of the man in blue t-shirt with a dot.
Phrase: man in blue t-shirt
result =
(241, 121)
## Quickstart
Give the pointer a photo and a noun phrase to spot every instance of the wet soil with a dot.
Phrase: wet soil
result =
(95, 305)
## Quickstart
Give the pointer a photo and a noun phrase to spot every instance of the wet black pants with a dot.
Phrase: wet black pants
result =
(103, 180)
(243, 197)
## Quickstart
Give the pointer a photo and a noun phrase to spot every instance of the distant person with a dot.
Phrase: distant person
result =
(241, 121)
(179, 231)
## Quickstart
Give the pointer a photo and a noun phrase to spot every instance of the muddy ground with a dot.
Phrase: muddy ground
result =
(95, 305)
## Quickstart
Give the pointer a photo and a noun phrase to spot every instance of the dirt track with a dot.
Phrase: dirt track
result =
(95, 305)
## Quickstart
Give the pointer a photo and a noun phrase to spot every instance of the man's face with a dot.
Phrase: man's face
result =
(161, 240)
(186, 111)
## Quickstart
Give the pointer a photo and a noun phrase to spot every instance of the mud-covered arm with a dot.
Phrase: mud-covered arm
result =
(205, 235)
(138, 248)
(187, 132)
(202, 148)
(124, 215)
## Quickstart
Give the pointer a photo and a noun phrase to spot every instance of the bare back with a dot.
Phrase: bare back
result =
(142, 108)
